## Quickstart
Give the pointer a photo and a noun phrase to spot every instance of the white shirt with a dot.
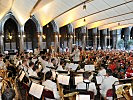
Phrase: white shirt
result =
(31, 72)
(48, 84)
(92, 86)
(2, 65)
(107, 84)
(102, 72)
(76, 55)
(34, 60)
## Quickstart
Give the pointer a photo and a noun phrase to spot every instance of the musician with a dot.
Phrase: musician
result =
(107, 83)
(53, 61)
(61, 66)
(30, 69)
(75, 54)
(91, 86)
(50, 85)
(24, 65)
(102, 71)
(36, 51)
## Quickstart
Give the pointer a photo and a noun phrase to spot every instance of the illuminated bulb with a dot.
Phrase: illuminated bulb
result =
(71, 36)
(56, 36)
(47, 26)
(44, 37)
(10, 37)
(59, 35)
(2, 35)
(18, 35)
(24, 36)
(38, 35)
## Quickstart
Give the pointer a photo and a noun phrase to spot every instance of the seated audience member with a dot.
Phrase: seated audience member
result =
(107, 83)
(129, 71)
(112, 66)
(50, 85)
(91, 86)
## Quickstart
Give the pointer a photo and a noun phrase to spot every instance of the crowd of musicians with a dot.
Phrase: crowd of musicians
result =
(38, 68)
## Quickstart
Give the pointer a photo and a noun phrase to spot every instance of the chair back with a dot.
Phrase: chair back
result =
(47, 94)
(87, 93)
(25, 86)
(109, 93)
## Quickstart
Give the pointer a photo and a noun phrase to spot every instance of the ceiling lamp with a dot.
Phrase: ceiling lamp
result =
(44, 37)
(84, 6)
(84, 20)
(47, 26)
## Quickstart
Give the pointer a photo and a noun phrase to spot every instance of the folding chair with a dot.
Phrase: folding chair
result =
(85, 92)
(47, 94)
(109, 94)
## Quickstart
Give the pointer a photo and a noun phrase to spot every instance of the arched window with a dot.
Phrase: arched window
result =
(11, 41)
(48, 36)
(30, 36)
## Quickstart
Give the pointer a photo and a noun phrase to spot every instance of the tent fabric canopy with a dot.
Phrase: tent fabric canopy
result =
(98, 13)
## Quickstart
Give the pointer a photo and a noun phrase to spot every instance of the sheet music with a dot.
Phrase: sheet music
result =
(89, 67)
(36, 90)
(78, 79)
(99, 79)
(22, 76)
(60, 78)
(73, 66)
(63, 79)
(83, 97)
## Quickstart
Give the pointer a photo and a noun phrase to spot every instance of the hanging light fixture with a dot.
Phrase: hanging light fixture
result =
(84, 6)
(84, 20)
(119, 24)
(47, 26)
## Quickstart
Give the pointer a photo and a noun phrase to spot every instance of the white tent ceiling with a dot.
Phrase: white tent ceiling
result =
(98, 13)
